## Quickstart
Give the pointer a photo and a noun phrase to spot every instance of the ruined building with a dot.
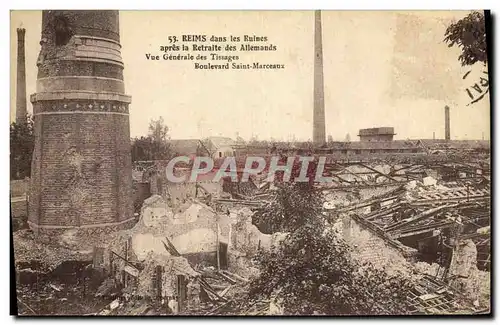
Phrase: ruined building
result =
(319, 133)
(21, 78)
(81, 168)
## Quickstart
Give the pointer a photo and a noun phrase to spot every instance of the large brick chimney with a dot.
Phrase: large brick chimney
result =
(319, 132)
(21, 105)
(82, 169)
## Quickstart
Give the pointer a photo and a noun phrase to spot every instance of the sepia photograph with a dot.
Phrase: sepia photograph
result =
(250, 163)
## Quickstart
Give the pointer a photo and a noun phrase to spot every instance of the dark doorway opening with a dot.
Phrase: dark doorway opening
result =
(223, 255)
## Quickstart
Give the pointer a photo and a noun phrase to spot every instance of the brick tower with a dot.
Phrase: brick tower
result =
(81, 168)
(21, 78)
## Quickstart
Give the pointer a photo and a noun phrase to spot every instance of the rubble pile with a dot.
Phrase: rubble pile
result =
(399, 216)
(195, 256)
(151, 256)
(380, 229)
(58, 299)
(41, 256)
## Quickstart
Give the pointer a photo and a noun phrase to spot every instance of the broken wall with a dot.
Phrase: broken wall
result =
(171, 268)
(245, 240)
(473, 284)
(19, 187)
(366, 246)
(193, 229)
(179, 193)
(246, 237)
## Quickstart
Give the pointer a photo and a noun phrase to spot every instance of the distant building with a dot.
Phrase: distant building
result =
(188, 147)
(376, 134)
(252, 149)
(369, 148)
(220, 147)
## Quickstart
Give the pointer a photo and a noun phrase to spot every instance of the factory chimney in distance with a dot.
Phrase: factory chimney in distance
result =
(21, 110)
(447, 133)
(319, 132)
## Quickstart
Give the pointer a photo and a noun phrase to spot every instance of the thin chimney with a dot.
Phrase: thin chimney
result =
(447, 133)
(21, 110)
(319, 132)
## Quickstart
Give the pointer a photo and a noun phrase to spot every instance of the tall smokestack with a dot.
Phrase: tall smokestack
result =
(447, 123)
(319, 133)
(81, 177)
(21, 78)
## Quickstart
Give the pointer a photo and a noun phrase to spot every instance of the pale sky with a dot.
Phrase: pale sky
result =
(381, 68)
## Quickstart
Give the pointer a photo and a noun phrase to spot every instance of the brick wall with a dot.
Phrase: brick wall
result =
(80, 68)
(86, 177)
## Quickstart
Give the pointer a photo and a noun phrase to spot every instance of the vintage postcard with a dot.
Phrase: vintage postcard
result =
(250, 162)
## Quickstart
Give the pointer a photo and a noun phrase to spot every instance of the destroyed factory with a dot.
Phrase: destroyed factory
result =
(97, 234)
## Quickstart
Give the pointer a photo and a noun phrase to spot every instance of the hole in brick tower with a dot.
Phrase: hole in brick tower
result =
(62, 31)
